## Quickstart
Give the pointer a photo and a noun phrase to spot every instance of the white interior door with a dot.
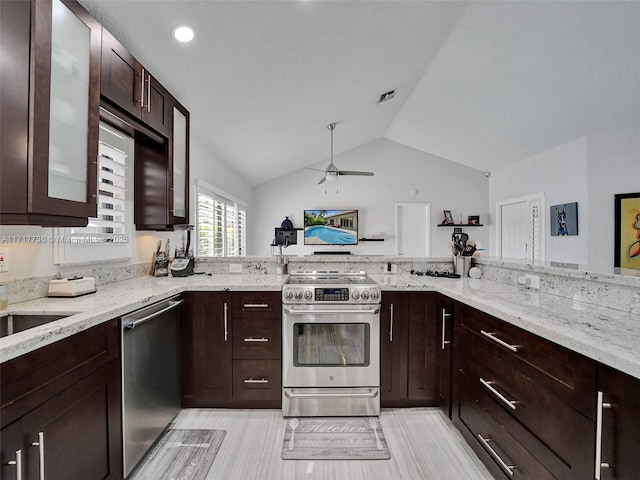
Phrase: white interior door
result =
(520, 228)
(515, 230)
(412, 229)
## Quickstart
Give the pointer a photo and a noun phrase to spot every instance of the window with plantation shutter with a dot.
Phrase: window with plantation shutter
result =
(106, 236)
(520, 228)
(112, 189)
(221, 224)
(536, 233)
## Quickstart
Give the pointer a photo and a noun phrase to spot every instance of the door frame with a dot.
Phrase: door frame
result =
(539, 197)
(427, 218)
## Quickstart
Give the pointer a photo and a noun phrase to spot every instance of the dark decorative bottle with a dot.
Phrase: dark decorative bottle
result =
(287, 224)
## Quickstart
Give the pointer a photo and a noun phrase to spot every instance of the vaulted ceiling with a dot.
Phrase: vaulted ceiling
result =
(481, 83)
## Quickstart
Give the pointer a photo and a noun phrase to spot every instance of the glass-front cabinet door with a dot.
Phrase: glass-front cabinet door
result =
(64, 116)
(179, 168)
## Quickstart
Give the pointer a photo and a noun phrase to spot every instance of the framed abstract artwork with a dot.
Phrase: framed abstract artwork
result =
(563, 219)
(627, 230)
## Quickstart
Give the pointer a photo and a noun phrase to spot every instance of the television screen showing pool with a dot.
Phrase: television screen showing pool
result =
(330, 227)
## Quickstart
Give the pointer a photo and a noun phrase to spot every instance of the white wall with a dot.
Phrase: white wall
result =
(32, 259)
(205, 166)
(561, 174)
(28, 259)
(398, 170)
(613, 162)
(589, 170)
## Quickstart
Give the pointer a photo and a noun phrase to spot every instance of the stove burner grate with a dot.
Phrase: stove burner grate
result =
(435, 273)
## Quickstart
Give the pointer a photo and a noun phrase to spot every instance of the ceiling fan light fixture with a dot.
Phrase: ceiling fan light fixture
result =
(331, 173)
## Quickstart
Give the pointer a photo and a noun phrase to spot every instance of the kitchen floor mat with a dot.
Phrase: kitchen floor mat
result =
(334, 438)
(180, 454)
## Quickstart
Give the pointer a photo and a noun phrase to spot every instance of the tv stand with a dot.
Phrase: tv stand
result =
(341, 252)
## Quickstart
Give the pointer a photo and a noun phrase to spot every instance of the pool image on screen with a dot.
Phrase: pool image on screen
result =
(330, 227)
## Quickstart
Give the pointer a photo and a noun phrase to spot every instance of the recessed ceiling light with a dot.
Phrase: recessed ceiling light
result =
(183, 33)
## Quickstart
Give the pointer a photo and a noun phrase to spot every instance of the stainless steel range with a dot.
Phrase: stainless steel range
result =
(330, 344)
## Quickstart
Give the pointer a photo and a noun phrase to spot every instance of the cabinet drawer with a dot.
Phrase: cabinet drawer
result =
(558, 436)
(567, 374)
(252, 304)
(496, 445)
(257, 338)
(37, 376)
(257, 380)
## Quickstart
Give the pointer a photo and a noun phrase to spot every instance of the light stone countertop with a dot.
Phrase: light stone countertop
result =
(603, 334)
(113, 301)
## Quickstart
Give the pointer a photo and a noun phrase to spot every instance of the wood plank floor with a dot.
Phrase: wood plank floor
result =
(422, 441)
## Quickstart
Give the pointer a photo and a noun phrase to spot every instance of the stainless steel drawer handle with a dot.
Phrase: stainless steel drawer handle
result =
(370, 394)
(149, 93)
(40, 445)
(256, 305)
(226, 321)
(252, 339)
(292, 311)
(508, 469)
(142, 89)
(256, 380)
(444, 328)
(599, 463)
(391, 323)
(502, 343)
(509, 403)
(18, 464)
(135, 322)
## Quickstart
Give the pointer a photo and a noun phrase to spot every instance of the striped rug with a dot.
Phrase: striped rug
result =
(185, 454)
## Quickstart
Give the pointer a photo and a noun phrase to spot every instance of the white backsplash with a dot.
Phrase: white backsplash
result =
(620, 292)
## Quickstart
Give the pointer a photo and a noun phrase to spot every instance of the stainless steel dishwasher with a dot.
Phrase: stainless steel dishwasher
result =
(150, 376)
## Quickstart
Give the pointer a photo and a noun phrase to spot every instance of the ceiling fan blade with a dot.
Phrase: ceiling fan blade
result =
(322, 181)
(351, 172)
(316, 169)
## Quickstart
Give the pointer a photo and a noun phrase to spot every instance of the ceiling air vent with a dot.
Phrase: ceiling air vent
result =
(387, 96)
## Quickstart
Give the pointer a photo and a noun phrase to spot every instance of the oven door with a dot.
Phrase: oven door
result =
(331, 346)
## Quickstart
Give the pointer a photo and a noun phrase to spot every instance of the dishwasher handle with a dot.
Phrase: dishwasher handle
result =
(136, 322)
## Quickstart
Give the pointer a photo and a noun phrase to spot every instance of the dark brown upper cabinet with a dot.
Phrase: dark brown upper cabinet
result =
(129, 85)
(161, 161)
(49, 111)
(179, 166)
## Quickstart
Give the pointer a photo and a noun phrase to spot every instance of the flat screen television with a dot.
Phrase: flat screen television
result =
(330, 227)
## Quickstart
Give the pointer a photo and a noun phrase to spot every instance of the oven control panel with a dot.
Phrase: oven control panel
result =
(314, 294)
(331, 294)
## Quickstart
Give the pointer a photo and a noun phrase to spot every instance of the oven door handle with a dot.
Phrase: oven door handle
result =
(290, 311)
(370, 394)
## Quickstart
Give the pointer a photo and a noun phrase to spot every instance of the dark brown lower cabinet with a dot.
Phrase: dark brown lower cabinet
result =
(231, 350)
(522, 402)
(619, 404)
(408, 349)
(206, 349)
(394, 331)
(64, 416)
(74, 430)
(444, 352)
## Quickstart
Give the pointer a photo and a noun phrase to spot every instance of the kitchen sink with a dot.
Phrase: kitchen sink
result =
(14, 323)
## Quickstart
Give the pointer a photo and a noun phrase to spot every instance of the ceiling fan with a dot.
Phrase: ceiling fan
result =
(331, 173)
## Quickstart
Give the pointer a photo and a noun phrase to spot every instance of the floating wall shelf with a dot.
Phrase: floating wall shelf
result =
(461, 225)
